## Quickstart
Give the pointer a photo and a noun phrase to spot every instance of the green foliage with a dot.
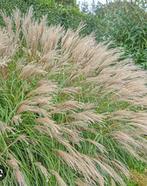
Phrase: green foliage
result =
(126, 25)
(68, 16)
(67, 2)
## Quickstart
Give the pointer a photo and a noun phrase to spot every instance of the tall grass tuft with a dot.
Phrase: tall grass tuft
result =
(70, 114)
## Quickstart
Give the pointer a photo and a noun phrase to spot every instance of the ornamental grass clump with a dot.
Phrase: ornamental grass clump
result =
(71, 111)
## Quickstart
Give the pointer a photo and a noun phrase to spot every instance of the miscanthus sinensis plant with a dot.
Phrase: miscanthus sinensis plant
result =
(71, 112)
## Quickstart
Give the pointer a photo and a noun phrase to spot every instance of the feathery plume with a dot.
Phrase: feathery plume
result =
(59, 179)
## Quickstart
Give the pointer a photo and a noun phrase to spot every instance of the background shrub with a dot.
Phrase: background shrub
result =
(125, 24)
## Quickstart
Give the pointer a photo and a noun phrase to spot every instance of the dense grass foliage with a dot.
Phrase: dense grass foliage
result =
(126, 25)
(70, 115)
